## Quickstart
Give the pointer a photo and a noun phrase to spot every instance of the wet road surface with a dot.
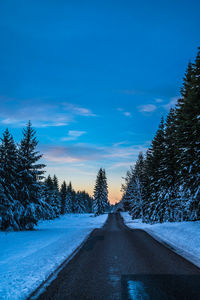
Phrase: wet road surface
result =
(117, 262)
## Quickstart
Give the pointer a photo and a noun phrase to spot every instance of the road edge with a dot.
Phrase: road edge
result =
(51, 277)
(170, 245)
(181, 252)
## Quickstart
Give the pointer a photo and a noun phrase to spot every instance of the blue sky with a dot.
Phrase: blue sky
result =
(94, 77)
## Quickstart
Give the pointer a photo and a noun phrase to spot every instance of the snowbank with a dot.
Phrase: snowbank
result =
(27, 258)
(184, 237)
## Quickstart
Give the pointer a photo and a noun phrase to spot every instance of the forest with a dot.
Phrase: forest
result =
(26, 196)
(164, 184)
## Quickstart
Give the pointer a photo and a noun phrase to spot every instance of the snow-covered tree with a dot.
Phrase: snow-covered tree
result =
(188, 138)
(53, 196)
(30, 174)
(101, 203)
(55, 183)
(63, 195)
(70, 199)
(171, 178)
(9, 205)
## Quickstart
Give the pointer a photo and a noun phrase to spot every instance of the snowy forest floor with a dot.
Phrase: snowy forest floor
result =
(182, 237)
(27, 258)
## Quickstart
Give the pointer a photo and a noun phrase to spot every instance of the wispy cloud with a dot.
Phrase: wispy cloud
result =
(172, 102)
(159, 100)
(87, 152)
(124, 112)
(147, 108)
(121, 165)
(42, 112)
(82, 111)
(72, 153)
(127, 114)
(73, 135)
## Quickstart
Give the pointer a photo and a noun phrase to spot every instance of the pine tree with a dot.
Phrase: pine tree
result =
(53, 196)
(70, 199)
(63, 195)
(55, 183)
(80, 203)
(127, 190)
(172, 164)
(155, 167)
(9, 205)
(170, 189)
(138, 195)
(30, 176)
(101, 193)
(188, 138)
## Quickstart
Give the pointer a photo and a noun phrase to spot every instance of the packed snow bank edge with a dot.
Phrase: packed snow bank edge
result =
(181, 237)
(28, 258)
(42, 287)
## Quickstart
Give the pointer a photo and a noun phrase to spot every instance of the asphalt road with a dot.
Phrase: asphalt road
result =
(121, 263)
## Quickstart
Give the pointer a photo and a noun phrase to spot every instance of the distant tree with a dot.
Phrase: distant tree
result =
(80, 202)
(127, 190)
(55, 183)
(63, 195)
(101, 193)
(70, 199)
(53, 196)
(137, 190)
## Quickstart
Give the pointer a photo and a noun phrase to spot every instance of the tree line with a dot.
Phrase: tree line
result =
(26, 196)
(164, 184)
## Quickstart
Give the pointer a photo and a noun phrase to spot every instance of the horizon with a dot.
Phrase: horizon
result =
(94, 79)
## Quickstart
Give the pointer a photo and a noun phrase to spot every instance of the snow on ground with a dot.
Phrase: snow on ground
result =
(29, 257)
(184, 237)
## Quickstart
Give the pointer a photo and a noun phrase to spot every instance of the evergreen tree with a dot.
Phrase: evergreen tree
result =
(30, 175)
(171, 177)
(88, 200)
(170, 188)
(156, 170)
(188, 138)
(80, 202)
(53, 196)
(55, 183)
(127, 190)
(101, 193)
(137, 191)
(70, 199)
(10, 207)
(49, 183)
(63, 195)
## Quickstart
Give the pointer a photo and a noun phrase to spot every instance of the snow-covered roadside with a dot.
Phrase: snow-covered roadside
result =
(184, 237)
(28, 258)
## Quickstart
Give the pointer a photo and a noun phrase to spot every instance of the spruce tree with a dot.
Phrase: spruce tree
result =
(188, 138)
(63, 195)
(53, 196)
(80, 202)
(30, 174)
(70, 199)
(156, 169)
(170, 189)
(55, 183)
(127, 190)
(138, 195)
(10, 207)
(101, 193)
